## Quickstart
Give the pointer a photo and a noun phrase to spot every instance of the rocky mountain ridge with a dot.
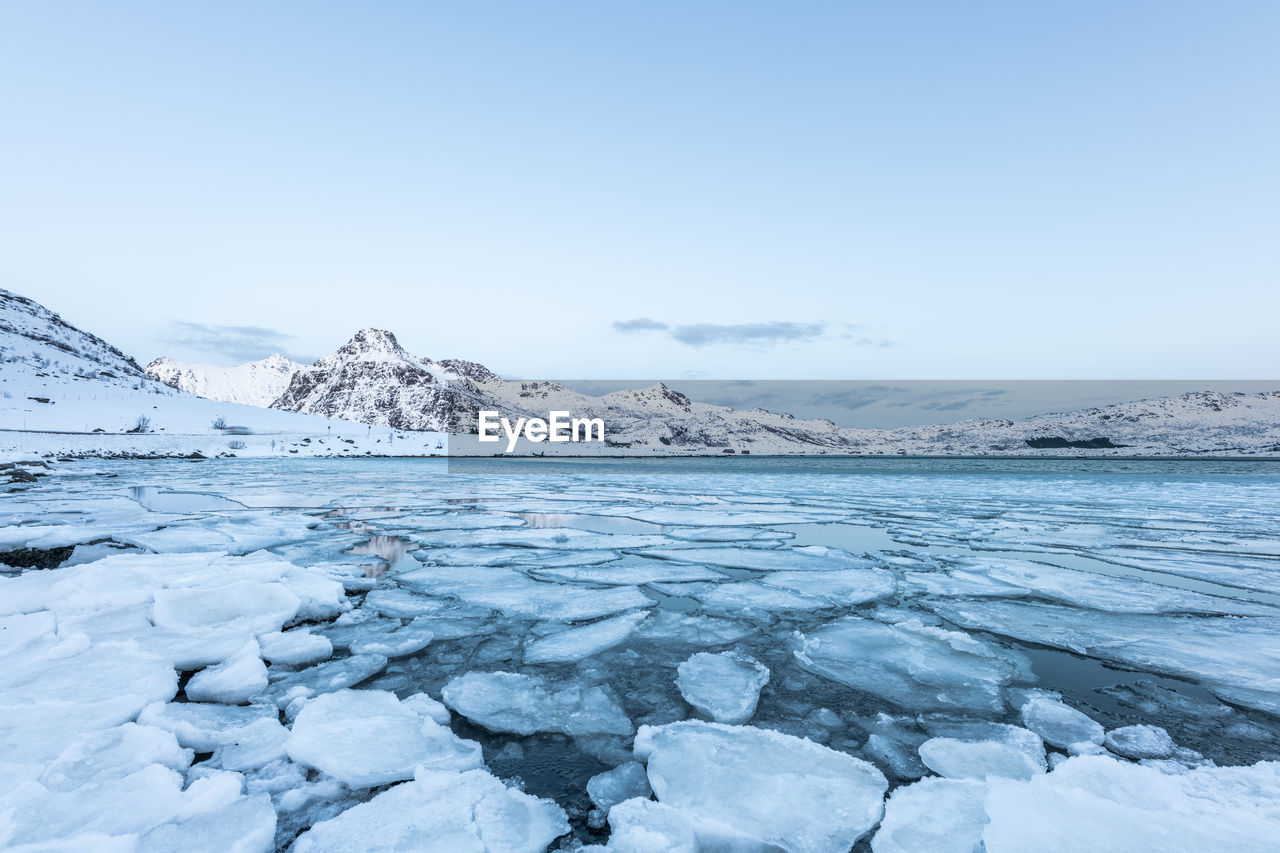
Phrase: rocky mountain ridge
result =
(373, 379)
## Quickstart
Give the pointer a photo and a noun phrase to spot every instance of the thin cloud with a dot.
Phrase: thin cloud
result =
(640, 324)
(768, 334)
(237, 343)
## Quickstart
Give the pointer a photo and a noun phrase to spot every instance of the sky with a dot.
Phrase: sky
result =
(720, 190)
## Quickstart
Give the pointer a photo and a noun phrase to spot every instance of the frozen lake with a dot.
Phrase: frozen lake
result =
(998, 626)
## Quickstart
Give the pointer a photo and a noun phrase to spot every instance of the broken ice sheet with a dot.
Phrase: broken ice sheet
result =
(915, 666)
(732, 782)
(816, 558)
(471, 811)
(556, 538)
(724, 687)
(1238, 658)
(365, 738)
(524, 704)
(574, 644)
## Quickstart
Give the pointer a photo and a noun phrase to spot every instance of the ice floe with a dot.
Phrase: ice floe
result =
(443, 812)
(524, 704)
(724, 687)
(915, 666)
(739, 787)
(365, 738)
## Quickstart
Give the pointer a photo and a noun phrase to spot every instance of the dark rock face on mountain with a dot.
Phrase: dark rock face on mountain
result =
(1057, 442)
(373, 380)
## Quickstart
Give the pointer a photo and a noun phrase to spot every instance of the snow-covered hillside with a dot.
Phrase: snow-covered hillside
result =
(64, 391)
(257, 383)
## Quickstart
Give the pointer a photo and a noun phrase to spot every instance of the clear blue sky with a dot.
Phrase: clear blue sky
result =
(783, 190)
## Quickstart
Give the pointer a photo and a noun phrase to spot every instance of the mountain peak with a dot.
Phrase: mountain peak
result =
(372, 342)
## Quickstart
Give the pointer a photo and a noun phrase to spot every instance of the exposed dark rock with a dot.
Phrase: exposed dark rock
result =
(36, 558)
(1057, 442)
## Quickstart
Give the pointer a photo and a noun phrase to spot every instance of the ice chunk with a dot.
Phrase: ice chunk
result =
(623, 782)
(1058, 724)
(130, 804)
(724, 687)
(582, 642)
(916, 666)
(245, 825)
(1237, 658)
(204, 727)
(401, 603)
(326, 677)
(933, 816)
(254, 608)
(728, 534)
(524, 704)
(739, 786)
(516, 594)
(54, 693)
(234, 680)
(1011, 752)
(22, 629)
(656, 572)
(112, 754)
(1102, 592)
(442, 812)
(425, 706)
(645, 826)
(560, 538)
(296, 647)
(811, 558)
(1138, 742)
(669, 625)
(413, 637)
(255, 745)
(365, 738)
(752, 597)
(845, 587)
(1099, 803)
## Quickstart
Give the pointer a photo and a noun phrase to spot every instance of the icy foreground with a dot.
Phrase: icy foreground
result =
(395, 655)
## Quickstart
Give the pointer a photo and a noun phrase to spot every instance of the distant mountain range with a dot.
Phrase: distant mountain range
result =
(365, 397)
(372, 379)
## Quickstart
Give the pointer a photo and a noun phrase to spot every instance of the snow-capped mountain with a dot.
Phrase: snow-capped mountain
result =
(67, 392)
(257, 383)
(1195, 423)
(372, 379)
(60, 380)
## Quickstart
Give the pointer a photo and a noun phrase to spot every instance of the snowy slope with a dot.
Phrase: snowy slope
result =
(64, 391)
(257, 383)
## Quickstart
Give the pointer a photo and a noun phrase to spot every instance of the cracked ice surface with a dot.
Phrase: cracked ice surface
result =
(256, 653)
